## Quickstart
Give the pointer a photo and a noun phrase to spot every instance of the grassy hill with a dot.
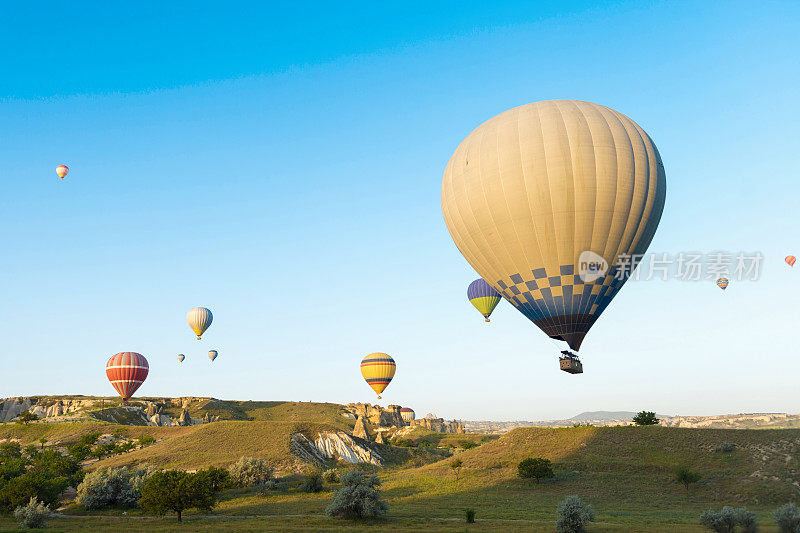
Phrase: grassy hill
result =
(627, 473)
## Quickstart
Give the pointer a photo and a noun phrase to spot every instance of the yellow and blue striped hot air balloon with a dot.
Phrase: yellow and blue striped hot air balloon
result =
(722, 283)
(483, 297)
(378, 370)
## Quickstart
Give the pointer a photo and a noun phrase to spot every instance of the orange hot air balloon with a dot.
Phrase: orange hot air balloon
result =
(790, 259)
(127, 371)
(62, 171)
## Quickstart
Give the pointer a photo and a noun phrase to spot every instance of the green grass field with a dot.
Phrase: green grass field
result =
(626, 473)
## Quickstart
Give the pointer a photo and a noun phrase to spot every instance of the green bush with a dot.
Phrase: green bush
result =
(725, 447)
(89, 439)
(331, 475)
(573, 515)
(312, 482)
(686, 477)
(249, 471)
(645, 418)
(470, 516)
(26, 417)
(272, 485)
(535, 468)
(358, 498)
(33, 515)
(39, 484)
(146, 440)
(456, 465)
(220, 478)
(788, 518)
(175, 490)
(467, 444)
(118, 487)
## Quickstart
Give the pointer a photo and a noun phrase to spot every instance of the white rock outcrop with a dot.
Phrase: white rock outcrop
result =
(334, 445)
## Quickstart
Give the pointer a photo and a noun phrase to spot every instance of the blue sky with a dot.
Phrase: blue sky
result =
(281, 165)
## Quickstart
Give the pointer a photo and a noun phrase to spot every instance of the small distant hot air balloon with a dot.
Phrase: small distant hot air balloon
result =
(199, 319)
(127, 371)
(483, 297)
(790, 259)
(62, 171)
(722, 283)
(408, 414)
(378, 370)
(181, 357)
(212, 354)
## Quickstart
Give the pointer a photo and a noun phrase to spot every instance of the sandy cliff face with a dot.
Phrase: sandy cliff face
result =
(334, 445)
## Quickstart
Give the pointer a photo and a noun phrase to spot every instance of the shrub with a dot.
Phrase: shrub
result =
(467, 444)
(146, 440)
(358, 498)
(788, 518)
(26, 417)
(686, 476)
(272, 485)
(312, 482)
(535, 468)
(726, 520)
(89, 439)
(33, 515)
(249, 471)
(220, 478)
(456, 465)
(573, 515)
(79, 451)
(39, 484)
(331, 475)
(470, 516)
(725, 447)
(120, 487)
(175, 490)
(10, 450)
(645, 418)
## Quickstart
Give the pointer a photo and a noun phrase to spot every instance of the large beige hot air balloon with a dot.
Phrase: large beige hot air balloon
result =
(199, 318)
(532, 189)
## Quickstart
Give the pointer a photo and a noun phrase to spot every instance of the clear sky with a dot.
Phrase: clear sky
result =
(281, 164)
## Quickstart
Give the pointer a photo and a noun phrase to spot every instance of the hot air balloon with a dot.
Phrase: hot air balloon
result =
(483, 297)
(199, 319)
(378, 370)
(127, 371)
(212, 354)
(541, 200)
(181, 357)
(62, 171)
(790, 259)
(722, 283)
(407, 414)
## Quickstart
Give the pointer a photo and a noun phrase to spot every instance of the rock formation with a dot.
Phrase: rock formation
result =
(330, 445)
(439, 425)
(377, 415)
(360, 429)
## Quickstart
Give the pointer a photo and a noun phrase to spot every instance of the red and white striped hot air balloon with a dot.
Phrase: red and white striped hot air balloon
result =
(127, 371)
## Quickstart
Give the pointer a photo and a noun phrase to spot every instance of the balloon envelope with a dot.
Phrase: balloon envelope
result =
(127, 371)
(199, 319)
(62, 171)
(543, 200)
(407, 414)
(790, 259)
(181, 357)
(212, 354)
(378, 370)
(722, 283)
(483, 297)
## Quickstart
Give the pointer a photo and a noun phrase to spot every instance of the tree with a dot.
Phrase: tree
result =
(645, 418)
(43, 441)
(176, 490)
(456, 465)
(26, 417)
(40, 484)
(574, 515)
(536, 469)
(358, 498)
(686, 476)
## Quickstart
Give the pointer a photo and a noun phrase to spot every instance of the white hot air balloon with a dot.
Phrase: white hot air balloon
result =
(546, 200)
(212, 354)
(199, 319)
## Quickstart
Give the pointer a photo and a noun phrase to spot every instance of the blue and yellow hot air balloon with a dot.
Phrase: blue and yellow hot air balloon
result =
(378, 370)
(483, 297)
(722, 283)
